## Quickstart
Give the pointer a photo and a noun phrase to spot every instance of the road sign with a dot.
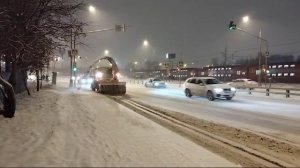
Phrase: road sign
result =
(170, 55)
(74, 52)
(180, 64)
(167, 64)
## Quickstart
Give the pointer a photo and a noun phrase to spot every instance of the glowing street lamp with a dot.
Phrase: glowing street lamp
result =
(145, 43)
(246, 19)
(92, 9)
(106, 52)
(135, 63)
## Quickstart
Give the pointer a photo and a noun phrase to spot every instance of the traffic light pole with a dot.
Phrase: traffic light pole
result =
(260, 52)
(73, 67)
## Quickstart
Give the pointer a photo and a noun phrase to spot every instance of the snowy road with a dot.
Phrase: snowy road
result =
(61, 127)
(275, 115)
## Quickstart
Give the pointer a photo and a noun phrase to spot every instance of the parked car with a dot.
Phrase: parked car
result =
(209, 87)
(238, 83)
(155, 83)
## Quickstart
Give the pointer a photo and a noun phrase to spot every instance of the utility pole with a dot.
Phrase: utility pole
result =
(225, 63)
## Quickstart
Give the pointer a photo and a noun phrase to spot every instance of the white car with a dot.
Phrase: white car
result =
(208, 86)
(243, 83)
(155, 83)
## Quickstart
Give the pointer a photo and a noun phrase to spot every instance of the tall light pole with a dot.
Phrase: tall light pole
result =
(232, 26)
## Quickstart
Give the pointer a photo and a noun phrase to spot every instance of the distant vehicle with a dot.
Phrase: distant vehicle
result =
(209, 87)
(85, 80)
(243, 82)
(155, 83)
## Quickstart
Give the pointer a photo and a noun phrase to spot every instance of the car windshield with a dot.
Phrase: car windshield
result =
(212, 81)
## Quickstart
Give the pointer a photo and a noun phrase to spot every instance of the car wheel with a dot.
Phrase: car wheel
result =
(210, 96)
(228, 98)
(188, 93)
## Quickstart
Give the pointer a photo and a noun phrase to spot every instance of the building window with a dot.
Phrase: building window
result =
(286, 66)
(279, 74)
(222, 69)
(279, 66)
(238, 72)
(244, 73)
(292, 66)
(270, 67)
(202, 73)
(274, 66)
(222, 75)
(218, 74)
(292, 74)
(286, 74)
(273, 74)
(229, 74)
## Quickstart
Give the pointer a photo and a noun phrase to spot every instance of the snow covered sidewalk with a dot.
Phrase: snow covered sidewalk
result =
(62, 127)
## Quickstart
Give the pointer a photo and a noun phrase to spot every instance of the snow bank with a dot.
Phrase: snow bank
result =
(65, 127)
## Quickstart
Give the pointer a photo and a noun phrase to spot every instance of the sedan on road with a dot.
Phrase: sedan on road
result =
(209, 87)
(242, 83)
(155, 83)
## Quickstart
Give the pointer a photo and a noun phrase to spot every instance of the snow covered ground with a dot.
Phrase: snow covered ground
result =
(63, 127)
(273, 115)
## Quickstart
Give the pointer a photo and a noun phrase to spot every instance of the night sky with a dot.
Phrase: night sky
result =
(196, 30)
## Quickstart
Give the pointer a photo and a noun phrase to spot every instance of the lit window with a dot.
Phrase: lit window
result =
(229, 68)
(219, 68)
(286, 66)
(238, 72)
(279, 66)
(216, 68)
(218, 74)
(244, 73)
(286, 74)
(229, 74)
(274, 66)
(279, 74)
(270, 67)
(292, 66)
(292, 74)
(202, 73)
(222, 75)
(222, 69)
(273, 74)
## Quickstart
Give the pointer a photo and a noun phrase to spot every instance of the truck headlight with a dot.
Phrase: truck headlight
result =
(118, 75)
(218, 90)
(99, 75)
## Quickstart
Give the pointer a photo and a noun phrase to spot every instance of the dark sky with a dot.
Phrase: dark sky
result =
(196, 30)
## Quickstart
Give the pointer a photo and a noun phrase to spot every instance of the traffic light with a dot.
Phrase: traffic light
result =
(232, 26)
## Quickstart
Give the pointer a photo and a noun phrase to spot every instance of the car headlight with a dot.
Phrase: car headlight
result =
(218, 90)
(233, 89)
(99, 75)
(156, 84)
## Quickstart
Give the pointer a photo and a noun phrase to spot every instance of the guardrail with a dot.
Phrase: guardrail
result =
(269, 90)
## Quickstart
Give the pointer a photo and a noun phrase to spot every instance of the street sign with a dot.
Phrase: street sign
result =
(167, 65)
(180, 64)
(74, 52)
(267, 53)
(170, 55)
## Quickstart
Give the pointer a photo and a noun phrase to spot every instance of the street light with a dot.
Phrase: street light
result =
(106, 52)
(92, 9)
(135, 63)
(246, 19)
(145, 43)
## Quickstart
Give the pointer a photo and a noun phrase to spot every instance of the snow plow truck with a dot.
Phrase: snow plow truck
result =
(106, 78)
